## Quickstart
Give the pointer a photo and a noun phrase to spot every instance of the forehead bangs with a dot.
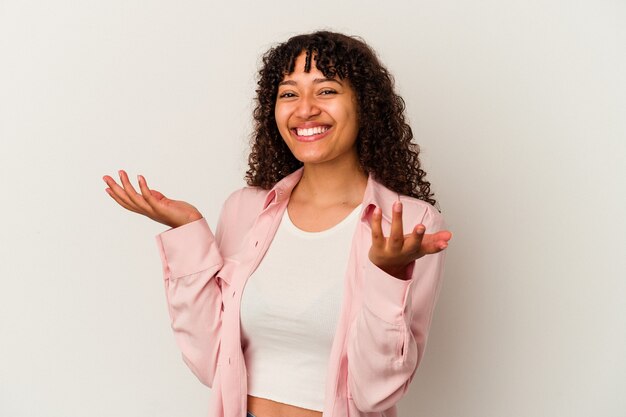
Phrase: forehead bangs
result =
(326, 62)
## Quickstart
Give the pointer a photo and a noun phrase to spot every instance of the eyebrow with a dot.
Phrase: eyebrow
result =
(315, 81)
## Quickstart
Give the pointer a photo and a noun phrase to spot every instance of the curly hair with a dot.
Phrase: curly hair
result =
(384, 143)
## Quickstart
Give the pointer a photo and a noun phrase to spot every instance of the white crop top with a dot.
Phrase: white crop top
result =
(289, 311)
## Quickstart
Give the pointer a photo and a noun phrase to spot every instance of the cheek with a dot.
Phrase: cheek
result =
(280, 116)
(352, 122)
(277, 115)
(281, 123)
(348, 114)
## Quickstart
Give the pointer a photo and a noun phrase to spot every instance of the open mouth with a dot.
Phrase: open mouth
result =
(311, 133)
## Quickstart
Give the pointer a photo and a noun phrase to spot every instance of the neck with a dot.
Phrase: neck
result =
(332, 184)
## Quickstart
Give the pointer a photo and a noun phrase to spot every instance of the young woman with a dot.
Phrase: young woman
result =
(316, 293)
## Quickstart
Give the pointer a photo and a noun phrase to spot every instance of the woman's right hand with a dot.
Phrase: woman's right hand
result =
(150, 203)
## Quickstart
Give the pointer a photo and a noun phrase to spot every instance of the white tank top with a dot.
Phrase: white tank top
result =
(289, 312)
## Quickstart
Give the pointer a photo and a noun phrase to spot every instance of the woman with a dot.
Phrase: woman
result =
(314, 295)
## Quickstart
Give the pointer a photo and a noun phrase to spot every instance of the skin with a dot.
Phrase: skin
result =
(332, 185)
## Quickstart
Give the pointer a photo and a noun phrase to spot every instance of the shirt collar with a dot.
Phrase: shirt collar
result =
(283, 188)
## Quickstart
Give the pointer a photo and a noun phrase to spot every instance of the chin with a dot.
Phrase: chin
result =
(310, 157)
(310, 160)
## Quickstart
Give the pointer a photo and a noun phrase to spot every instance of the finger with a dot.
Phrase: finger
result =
(378, 239)
(120, 194)
(443, 238)
(413, 242)
(130, 190)
(135, 197)
(147, 193)
(120, 201)
(396, 236)
(440, 239)
(433, 243)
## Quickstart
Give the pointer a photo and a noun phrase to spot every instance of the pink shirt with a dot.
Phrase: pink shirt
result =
(382, 329)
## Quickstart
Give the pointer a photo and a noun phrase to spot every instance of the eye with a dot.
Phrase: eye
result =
(286, 94)
(327, 91)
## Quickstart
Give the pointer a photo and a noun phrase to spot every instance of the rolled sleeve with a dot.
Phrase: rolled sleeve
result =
(188, 249)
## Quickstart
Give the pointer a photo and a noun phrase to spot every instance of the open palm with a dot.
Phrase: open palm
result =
(394, 253)
(150, 203)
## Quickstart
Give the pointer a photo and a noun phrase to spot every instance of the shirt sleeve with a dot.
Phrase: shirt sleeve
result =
(386, 341)
(191, 259)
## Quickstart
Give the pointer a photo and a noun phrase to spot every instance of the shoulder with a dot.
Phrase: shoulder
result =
(238, 214)
(422, 212)
(249, 199)
(246, 194)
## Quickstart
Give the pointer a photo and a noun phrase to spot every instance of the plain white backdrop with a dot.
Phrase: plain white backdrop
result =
(519, 107)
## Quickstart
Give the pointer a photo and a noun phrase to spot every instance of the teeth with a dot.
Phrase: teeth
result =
(312, 131)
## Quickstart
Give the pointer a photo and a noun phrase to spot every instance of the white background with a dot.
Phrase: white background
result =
(519, 107)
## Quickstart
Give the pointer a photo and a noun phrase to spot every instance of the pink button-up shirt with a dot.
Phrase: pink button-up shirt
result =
(381, 331)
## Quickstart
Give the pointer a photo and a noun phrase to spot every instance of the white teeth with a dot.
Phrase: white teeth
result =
(311, 131)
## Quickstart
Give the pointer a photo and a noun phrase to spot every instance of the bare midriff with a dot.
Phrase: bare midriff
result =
(262, 407)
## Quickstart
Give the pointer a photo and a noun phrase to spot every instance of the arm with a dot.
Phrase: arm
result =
(191, 259)
(388, 337)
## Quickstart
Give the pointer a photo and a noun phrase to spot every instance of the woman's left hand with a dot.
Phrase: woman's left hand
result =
(394, 253)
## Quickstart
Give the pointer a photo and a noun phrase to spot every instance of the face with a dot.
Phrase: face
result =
(317, 116)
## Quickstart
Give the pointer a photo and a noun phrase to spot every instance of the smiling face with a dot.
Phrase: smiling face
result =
(317, 116)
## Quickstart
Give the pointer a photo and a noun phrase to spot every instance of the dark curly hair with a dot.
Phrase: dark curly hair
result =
(384, 143)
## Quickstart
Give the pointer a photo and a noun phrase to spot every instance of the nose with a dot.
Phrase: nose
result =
(307, 107)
